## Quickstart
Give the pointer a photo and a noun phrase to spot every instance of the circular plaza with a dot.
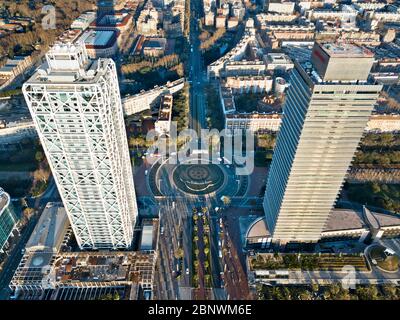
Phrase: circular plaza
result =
(198, 179)
(195, 179)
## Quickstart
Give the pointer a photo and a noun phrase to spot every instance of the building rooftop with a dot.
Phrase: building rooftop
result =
(149, 238)
(85, 270)
(165, 111)
(344, 219)
(278, 58)
(84, 19)
(116, 19)
(258, 229)
(68, 63)
(255, 115)
(334, 63)
(99, 38)
(339, 220)
(70, 36)
(346, 50)
(155, 43)
(50, 229)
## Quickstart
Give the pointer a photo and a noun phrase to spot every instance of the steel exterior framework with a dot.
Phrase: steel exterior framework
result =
(81, 127)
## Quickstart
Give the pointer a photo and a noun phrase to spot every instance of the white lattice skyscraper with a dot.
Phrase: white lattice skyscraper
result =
(76, 107)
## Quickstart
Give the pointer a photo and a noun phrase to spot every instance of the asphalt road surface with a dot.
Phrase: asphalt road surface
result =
(196, 79)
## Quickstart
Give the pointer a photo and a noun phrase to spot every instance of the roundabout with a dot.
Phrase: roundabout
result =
(198, 179)
(195, 179)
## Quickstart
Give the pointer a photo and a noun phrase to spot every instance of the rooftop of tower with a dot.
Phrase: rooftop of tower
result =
(346, 50)
(68, 63)
(337, 63)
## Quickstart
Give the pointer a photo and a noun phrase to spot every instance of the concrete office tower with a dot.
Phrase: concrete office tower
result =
(76, 107)
(327, 108)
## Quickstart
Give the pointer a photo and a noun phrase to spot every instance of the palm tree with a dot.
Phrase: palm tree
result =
(179, 253)
(226, 200)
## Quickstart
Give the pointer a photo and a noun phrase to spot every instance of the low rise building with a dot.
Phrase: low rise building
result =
(100, 43)
(278, 6)
(110, 5)
(149, 236)
(13, 132)
(278, 61)
(84, 20)
(244, 68)
(255, 122)
(14, 67)
(209, 18)
(305, 5)
(50, 231)
(346, 14)
(163, 123)
(384, 123)
(360, 38)
(215, 69)
(223, 9)
(220, 21)
(263, 19)
(120, 21)
(147, 21)
(238, 10)
(70, 36)
(342, 224)
(249, 84)
(145, 100)
(385, 16)
(48, 272)
(154, 47)
(386, 77)
(277, 34)
(232, 23)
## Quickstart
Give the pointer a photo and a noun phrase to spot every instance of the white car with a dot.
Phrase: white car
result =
(187, 270)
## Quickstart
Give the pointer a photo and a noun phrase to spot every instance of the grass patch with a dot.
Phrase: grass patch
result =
(308, 262)
(215, 116)
(388, 263)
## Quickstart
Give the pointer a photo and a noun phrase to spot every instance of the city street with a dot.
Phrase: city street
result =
(196, 79)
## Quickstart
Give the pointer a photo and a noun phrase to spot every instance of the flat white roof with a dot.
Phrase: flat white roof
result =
(50, 228)
(97, 37)
(147, 238)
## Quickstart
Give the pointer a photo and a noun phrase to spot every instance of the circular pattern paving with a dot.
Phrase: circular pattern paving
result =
(198, 172)
(198, 179)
